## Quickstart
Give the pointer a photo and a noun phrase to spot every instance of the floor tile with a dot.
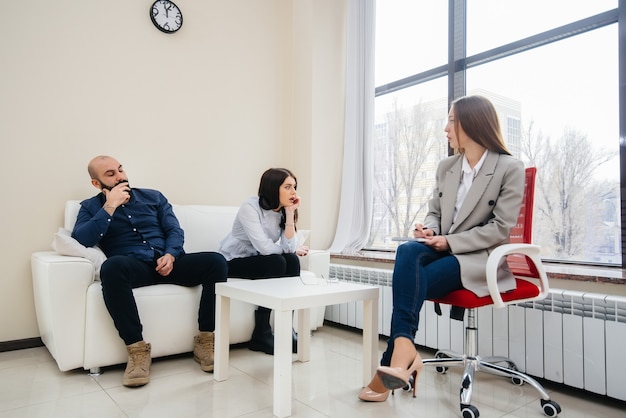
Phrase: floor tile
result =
(327, 386)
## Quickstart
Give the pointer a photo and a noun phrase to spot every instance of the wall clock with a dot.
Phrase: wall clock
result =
(166, 16)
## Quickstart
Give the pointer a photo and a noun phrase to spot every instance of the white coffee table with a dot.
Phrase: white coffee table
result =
(284, 295)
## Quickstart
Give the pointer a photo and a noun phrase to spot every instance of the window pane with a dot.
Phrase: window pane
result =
(512, 20)
(408, 145)
(567, 125)
(411, 36)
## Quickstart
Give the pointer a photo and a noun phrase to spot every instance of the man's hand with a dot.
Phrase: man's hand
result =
(117, 196)
(165, 264)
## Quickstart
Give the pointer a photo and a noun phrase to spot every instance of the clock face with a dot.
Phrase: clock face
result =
(166, 16)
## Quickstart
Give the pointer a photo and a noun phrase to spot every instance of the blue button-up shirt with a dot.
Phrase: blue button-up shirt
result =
(144, 228)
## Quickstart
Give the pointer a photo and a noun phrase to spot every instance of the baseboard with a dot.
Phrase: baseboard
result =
(20, 344)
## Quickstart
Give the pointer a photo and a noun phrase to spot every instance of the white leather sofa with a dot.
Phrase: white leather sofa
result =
(77, 329)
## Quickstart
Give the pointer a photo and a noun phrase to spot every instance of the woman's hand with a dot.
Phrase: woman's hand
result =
(420, 231)
(302, 250)
(290, 214)
(295, 204)
(437, 243)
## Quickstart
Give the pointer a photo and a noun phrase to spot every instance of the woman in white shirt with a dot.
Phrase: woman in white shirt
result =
(475, 204)
(263, 243)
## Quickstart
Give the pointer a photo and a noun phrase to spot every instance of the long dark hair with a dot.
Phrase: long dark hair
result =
(269, 187)
(479, 119)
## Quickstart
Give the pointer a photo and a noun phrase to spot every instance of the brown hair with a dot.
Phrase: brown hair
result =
(479, 119)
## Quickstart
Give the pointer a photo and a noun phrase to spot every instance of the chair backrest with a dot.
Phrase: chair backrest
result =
(522, 232)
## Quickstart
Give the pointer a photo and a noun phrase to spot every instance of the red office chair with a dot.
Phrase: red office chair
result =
(524, 261)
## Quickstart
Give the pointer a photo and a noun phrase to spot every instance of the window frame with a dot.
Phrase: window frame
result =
(458, 63)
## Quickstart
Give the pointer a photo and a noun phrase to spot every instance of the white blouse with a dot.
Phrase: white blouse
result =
(467, 178)
(256, 231)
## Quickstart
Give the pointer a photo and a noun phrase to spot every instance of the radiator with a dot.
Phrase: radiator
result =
(574, 338)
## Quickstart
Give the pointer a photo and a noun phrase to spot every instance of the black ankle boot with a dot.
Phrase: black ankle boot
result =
(262, 337)
(294, 341)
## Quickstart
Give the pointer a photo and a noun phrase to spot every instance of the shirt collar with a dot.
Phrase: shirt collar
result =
(469, 170)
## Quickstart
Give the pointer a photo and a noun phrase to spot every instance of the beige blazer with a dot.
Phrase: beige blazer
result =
(484, 220)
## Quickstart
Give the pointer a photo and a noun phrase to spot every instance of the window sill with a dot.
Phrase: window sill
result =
(556, 271)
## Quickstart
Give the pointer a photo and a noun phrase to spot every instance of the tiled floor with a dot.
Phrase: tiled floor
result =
(327, 386)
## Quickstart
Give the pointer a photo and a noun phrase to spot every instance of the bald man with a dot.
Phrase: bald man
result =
(143, 241)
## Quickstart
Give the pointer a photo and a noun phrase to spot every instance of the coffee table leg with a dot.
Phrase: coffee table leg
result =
(282, 363)
(370, 339)
(304, 335)
(222, 337)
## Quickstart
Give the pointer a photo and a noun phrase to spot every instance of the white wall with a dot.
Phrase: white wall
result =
(200, 114)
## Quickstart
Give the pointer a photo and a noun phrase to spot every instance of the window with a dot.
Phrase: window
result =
(512, 20)
(557, 97)
(399, 23)
(407, 148)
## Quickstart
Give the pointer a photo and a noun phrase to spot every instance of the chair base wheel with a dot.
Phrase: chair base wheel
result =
(550, 408)
(517, 381)
(441, 369)
(469, 411)
(409, 386)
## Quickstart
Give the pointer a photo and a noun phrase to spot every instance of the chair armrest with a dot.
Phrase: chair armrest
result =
(529, 250)
(60, 288)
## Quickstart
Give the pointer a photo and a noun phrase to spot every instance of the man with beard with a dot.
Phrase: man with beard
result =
(142, 239)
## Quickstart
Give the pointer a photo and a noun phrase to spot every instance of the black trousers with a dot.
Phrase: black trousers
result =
(264, 266)
(121, 274)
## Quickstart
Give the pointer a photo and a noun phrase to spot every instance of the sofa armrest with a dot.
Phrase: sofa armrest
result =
(316, 261)
(60, 287)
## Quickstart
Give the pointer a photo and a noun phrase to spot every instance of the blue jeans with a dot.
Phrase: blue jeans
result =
(121, 274)
(419, 273)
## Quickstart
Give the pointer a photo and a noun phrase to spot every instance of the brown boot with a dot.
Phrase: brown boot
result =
(137, 371)
(204, 350)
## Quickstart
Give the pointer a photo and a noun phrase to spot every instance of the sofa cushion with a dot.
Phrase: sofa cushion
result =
(64, 244)
(71, 213)
(204, 226)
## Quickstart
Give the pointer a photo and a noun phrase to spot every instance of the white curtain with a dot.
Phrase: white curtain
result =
(355, 210)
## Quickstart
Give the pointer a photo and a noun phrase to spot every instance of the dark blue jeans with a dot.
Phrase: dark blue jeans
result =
(419, 273)
(121, 274)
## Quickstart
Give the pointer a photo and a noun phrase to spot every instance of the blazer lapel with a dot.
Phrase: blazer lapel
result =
(449, 192)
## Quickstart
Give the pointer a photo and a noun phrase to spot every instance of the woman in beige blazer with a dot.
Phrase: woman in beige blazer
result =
(474, 205)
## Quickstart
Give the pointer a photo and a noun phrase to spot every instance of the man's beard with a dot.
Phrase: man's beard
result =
(109, 188)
